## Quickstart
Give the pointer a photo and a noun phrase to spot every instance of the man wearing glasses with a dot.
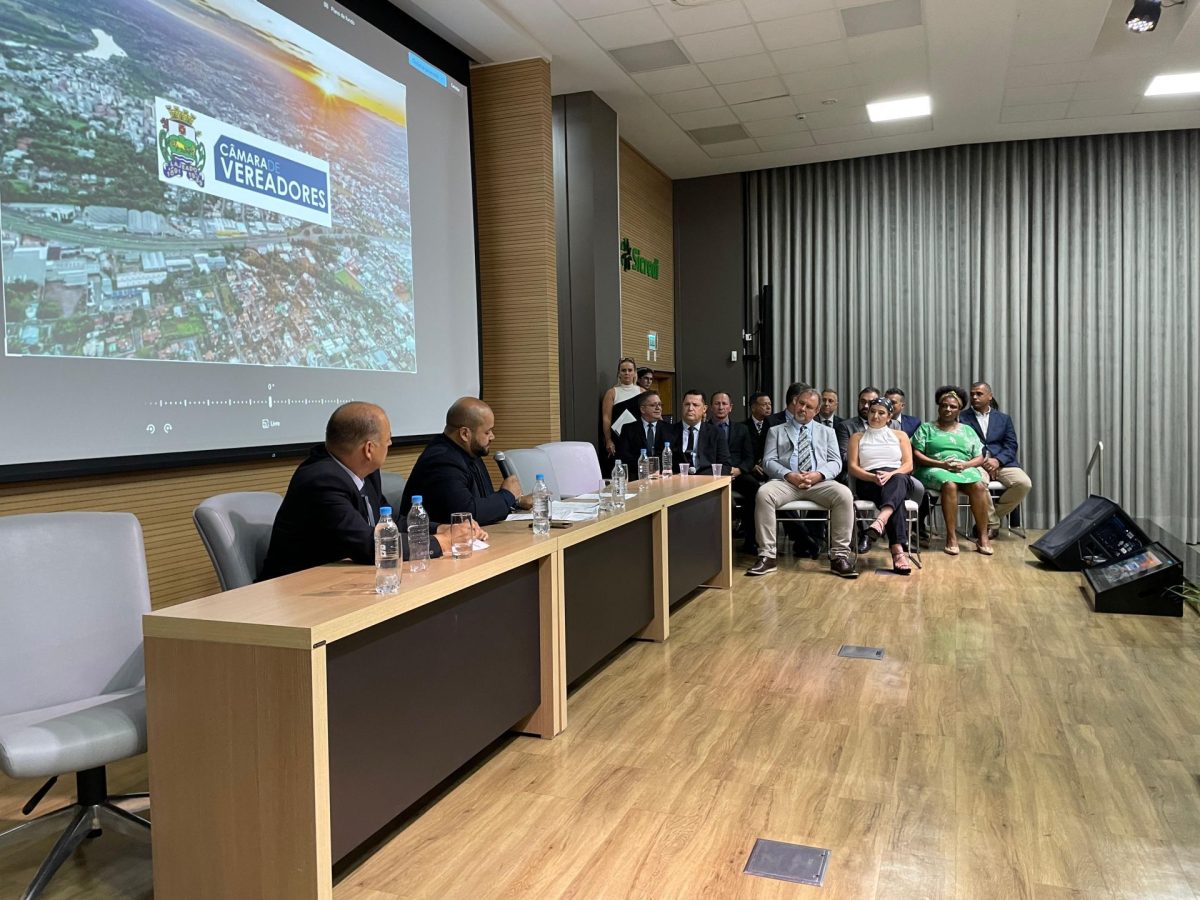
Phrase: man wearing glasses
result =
(649, 432)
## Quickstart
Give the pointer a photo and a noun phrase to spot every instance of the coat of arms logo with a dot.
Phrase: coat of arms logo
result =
(179, 143)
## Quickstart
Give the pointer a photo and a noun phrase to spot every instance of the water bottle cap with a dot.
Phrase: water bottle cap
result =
(540, 477)
(417, 498)
(643, 451)
(385, 510)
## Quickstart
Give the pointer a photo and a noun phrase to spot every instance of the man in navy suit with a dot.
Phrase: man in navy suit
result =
(333, 500)
(907, 424)
(696, 441)
(999, 438)
(450, 476)
(649, 432)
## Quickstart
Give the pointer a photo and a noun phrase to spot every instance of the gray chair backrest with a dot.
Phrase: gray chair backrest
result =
(392, 484)
(236, 529)
(73, 590)
(527, 463)
(576, 466)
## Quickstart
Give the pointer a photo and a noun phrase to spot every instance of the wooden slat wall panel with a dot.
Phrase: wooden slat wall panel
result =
(163, 502)
(647, 220)
(514, 185)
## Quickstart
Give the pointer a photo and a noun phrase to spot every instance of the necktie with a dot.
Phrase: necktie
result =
(367, 509)
(804, 456)
(650, 437)
(691, 441)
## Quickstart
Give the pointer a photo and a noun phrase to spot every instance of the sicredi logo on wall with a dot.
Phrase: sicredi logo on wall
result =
(632, 260)
(207, 155)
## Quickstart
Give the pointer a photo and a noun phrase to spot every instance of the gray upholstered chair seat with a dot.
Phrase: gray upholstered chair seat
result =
(236, 531)
(74, 736)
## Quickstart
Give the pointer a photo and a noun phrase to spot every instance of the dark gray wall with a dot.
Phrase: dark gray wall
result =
(589, 287)
(710, 286)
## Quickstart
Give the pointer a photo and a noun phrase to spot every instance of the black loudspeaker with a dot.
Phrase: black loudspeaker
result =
(1097, 531)
(1143, 583)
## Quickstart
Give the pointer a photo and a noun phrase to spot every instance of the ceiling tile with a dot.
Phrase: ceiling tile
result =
(887, 16)
(1055, 73)
(626, 29)
(765, 10)
(765, 109)
(741, 41)
(676, 78)
(587, 9)
(649, 57)
(1044, 50)
(710, 17)
(741, 68)
(842, 135)
(758, 89)
(1121, 67)
(1168, 103)
(850, 96)
(1041, 112)
(705, 118)
(905, 42)
(720, 135)
(895, 87)
(732, 148)
(888, 69)
(685, 101)
(1081, 109)
(786, 141)
(816, 56)
(801, 31)
(821, 79)
(1109, 90)
(1043, 93)
(902, 126)
(782, 125)
(835, 117)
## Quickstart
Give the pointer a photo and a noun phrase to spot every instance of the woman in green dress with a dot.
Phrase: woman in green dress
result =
(946, 456)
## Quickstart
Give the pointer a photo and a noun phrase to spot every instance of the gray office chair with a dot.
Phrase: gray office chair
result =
(528, 463)
(393, 484)
(73, 590)
(236, 529)
(576, 466)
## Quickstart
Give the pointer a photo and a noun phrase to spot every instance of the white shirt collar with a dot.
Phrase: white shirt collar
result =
(358, 482)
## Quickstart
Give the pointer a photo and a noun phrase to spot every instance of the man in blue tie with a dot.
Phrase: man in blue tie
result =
(803, 461)
(649, 432)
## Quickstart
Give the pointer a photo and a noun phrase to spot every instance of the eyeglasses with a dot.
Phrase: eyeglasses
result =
(653, 406)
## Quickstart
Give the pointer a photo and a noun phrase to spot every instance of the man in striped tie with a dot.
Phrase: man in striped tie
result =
(803, 461)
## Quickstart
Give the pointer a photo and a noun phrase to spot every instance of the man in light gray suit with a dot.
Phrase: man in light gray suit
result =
(803, 461)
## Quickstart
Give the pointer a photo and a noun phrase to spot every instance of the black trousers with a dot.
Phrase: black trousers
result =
(892, 494)
(746, 485)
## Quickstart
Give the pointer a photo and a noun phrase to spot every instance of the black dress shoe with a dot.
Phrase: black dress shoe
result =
(864, 544)
(764, 566)
(842, 567)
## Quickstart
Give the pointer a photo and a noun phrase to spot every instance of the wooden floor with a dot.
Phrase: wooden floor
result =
(1011, 744)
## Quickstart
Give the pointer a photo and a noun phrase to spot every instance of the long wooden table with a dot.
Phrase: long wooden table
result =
(291, 720)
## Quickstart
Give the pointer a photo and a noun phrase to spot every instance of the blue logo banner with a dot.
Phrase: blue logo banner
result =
(256, 169)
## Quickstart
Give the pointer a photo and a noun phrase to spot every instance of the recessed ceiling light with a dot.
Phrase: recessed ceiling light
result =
(1183, 83)
(906, 108)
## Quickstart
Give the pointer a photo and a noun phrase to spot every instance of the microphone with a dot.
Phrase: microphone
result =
(506, 470)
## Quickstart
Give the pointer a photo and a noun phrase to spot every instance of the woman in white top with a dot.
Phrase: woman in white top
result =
(625, 389)
(880, 459)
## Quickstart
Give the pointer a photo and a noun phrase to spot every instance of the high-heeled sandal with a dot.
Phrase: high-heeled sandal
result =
(951, 549)
(874, 532)
(900, 563)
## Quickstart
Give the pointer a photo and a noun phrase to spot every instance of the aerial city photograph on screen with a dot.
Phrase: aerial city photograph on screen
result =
(200, 181)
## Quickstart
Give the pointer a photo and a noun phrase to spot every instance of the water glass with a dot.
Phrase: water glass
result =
(462, 535)
(655, 466)
(605, 494)
(717, 470)
(685, 468)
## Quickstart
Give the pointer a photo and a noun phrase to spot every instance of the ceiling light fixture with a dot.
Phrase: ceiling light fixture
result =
(905, 108)
(1144, 16)
(1182, 83)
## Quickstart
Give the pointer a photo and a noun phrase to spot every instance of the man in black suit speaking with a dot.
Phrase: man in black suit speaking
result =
(333, 500)
(450, 475)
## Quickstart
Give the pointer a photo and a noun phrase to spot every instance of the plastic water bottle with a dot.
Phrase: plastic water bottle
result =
(418, 536)
(387, 553)
(643, 471)
(619, 480)
(666, 460)
(541, 506)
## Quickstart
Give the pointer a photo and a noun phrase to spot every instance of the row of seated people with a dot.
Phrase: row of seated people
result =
(884, 454)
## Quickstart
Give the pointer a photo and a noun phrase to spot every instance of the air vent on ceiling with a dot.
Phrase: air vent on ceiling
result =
(719, 134)
(647, 57)
(860, 20)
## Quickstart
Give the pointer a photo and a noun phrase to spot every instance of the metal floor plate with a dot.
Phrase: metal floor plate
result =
(853, 651)
(788, 862)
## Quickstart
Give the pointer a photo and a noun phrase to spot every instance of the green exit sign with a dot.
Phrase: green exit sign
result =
(633, 261)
